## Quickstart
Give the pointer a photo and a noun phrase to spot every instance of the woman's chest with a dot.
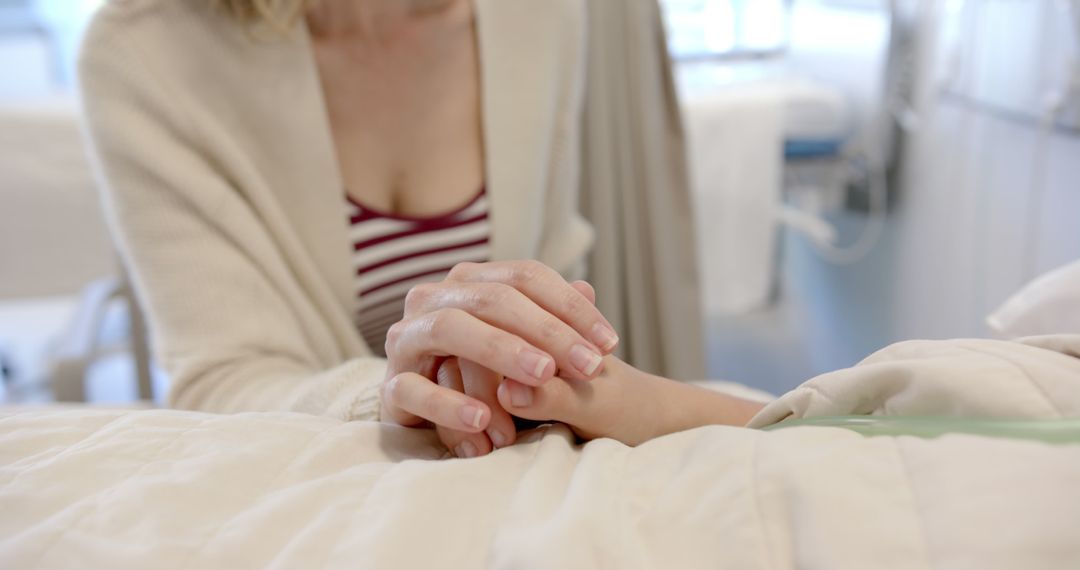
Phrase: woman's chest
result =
(407, 128)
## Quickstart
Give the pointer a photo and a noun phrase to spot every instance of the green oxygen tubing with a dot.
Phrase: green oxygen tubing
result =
(1048, 431)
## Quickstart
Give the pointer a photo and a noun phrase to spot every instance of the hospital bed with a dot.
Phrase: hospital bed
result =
(92, 488)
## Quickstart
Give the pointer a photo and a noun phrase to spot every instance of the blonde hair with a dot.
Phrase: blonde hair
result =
(280, 14)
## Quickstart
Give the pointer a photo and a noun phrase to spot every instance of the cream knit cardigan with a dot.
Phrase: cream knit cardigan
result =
(220, 183)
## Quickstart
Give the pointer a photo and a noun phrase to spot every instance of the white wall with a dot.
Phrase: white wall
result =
(955, 245)
(982, 211)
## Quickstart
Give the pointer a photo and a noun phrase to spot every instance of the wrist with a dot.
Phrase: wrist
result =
(634, 414)
(681, 406)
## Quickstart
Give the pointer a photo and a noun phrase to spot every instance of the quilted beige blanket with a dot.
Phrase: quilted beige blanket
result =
(168, 489)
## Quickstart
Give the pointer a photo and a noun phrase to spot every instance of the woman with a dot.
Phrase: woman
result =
(279, 174)
(277, 184)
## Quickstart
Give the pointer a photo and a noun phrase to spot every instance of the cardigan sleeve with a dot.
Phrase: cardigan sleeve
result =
(229, 325)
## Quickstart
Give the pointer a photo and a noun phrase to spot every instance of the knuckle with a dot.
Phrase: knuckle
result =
(390, 389)
(550, 327)
(478, 300)
(488, 296)
(441, 323)
(523, 273)
(575, 303)
(461, 271)
(532, 265)
(394, 336)
(419, 296)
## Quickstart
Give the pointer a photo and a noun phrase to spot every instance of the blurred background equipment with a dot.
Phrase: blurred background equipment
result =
(67, 328)
(876, 170)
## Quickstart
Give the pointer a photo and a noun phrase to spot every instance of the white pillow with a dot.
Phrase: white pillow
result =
(1048, 305)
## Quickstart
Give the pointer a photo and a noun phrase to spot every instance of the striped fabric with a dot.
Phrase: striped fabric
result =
(391, 254)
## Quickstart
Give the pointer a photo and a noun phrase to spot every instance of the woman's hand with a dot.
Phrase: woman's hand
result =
(518, 320)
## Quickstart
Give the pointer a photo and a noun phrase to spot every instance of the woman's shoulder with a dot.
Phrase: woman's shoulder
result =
(173, 47)
(140, 25)
(122, 16)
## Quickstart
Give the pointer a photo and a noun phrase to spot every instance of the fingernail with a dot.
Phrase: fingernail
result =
(471, 415)
(465, 450)
(604, 337)
(498, 438)
(585, 359)
(534, 364)
(520, 396)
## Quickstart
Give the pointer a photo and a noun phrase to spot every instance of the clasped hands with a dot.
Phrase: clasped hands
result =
(499, 340)
(477, 346)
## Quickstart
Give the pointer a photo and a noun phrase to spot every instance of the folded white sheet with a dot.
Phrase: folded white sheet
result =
(168, 489)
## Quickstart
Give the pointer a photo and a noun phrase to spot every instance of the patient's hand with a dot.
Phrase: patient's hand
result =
(623, 403)
(616, 404)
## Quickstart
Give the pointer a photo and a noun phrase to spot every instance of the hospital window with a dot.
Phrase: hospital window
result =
(725, 29)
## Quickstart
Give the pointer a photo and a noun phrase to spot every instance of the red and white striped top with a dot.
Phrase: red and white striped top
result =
(392, 253)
